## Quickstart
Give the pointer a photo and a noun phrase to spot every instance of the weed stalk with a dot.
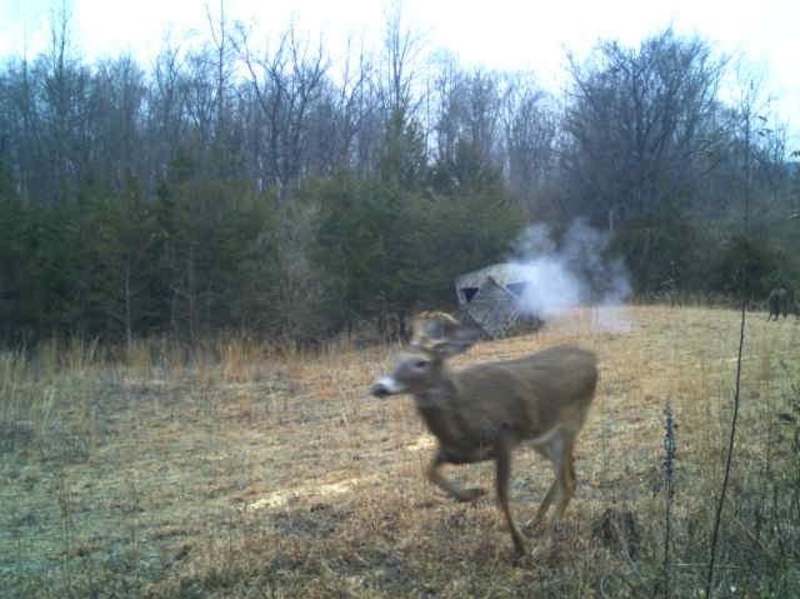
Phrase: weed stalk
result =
(669, 490)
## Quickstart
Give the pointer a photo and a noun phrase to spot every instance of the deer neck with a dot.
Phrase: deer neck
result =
(436, 406)
(439, 394)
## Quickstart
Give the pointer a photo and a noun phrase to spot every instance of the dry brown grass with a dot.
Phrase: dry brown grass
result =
(243, 471)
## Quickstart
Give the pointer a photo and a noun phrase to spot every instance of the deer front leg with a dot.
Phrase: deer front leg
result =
(448, 486)
(503, 460)
(545, 505)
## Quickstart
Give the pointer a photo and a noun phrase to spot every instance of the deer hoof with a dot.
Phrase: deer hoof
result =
(471, 494)
(519, 552)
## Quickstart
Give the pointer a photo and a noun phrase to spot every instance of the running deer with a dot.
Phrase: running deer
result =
(482, 412)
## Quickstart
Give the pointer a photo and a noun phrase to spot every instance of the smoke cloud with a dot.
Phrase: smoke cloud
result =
(575, 271)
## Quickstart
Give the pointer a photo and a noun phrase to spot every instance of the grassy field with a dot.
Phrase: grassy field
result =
(244, 471)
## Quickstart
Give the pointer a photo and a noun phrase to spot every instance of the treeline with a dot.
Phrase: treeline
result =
(281, 192)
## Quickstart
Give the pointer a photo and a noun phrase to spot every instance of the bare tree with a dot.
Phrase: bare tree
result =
(166, 112)
(64, 84)
(286, 84)
(401, 46)
(116, 149)
(531, 133)
(219, 34)
(636, 125)
(404, 147)
(468, 111)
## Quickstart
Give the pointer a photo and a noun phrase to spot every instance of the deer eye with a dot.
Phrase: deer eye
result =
(420, 364)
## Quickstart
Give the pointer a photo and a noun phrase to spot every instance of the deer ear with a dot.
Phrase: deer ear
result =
(431, 328)
(440, 334)
(457, 341)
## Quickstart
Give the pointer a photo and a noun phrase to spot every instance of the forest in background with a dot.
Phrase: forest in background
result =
(293, 195)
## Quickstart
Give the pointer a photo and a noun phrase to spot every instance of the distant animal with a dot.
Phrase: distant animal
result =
(780, 302)
(482, 412)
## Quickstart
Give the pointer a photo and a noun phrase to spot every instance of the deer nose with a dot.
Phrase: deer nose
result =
(387, 385)
(379, 390)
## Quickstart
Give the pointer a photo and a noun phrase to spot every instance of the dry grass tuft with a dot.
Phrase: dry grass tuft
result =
(239, 470)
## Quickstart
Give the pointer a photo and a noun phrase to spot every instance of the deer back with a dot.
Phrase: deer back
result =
(530, 396)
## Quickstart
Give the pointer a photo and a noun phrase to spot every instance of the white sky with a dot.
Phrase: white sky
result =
(504, 34)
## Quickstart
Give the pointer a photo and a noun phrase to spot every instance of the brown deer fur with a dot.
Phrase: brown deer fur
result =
(482, 412)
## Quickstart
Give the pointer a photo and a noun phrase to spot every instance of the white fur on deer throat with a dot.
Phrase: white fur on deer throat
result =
(435, 397)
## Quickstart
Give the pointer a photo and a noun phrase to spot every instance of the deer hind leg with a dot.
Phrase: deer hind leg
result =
(545, 504)
(559, 452)
(566, 483)
(448, 486)
(503, 461)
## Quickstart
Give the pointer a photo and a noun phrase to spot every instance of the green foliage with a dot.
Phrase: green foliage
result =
(356, 220)
(746, 265)
(785, 235)
(122, 255)
(389, 250)
(42, 252)
(216, 256)
(656, 250)
(197, 258)
(475, 219)
(403, 156)
(207, 255)
(707, 256)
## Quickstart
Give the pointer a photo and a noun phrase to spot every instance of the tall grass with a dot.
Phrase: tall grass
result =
(238, 468)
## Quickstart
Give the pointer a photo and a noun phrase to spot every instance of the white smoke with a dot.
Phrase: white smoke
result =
(563, 275)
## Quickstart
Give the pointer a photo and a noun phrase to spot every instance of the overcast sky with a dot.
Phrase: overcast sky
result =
(504, 34)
